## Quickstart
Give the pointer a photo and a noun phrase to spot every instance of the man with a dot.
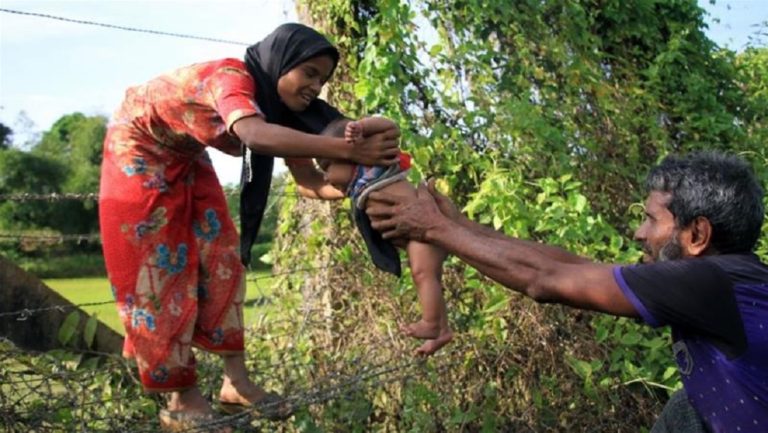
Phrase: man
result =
(704, 213)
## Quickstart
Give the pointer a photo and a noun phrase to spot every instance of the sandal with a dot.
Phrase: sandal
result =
(182, 421)
(272, 407)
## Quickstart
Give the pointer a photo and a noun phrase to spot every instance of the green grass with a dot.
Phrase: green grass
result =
(87, 290)
(258, 297)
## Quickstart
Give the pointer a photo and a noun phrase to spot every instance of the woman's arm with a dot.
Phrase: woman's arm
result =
(276, 140)
(311, 183)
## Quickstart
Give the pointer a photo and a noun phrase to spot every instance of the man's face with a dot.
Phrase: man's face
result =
(658, 233)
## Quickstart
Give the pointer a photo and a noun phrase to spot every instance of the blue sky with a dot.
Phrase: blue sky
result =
(51, 68)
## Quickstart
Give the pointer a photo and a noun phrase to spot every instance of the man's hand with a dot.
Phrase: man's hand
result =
(399, 216)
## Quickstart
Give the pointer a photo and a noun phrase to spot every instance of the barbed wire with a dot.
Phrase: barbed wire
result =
(126, 28)
(26, 313)
(51, 239)
(94, 237)
(57, 197)
(352, 376)
(51, 197)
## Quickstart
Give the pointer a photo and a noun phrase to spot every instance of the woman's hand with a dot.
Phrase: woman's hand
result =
(381, 148)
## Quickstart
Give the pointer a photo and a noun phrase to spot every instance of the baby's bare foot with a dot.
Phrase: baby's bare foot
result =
(431, 346)
(353, 132)
(422, 329)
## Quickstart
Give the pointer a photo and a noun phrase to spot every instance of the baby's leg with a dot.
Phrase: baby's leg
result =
(427, 267)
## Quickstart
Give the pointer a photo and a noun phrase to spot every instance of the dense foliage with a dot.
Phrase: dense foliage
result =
(540, 119)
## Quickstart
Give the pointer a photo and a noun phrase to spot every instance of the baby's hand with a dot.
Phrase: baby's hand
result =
(353, 132)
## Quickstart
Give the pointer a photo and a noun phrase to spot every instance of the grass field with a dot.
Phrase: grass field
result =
(92, 290)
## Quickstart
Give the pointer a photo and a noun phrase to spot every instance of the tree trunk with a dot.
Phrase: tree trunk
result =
(39, 330)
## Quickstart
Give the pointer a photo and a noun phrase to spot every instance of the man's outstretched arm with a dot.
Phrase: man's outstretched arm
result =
(543, 272)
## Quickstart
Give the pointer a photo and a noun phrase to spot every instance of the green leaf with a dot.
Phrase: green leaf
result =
(580, 203)
(435, 50)
(89, 333)
(497, 222)
(497, 304)
(630, 338)
(69, 327)
(669, 372)
(267, 258)
(582, 368)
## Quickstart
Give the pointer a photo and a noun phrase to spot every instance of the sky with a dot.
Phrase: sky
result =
(50, 68)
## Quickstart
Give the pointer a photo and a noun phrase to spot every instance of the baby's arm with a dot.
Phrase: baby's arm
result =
(358, 129)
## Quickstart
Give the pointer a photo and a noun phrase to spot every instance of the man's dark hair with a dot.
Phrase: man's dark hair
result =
(720, 187)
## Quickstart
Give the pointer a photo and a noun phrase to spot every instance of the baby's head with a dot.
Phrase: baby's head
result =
(337, 172)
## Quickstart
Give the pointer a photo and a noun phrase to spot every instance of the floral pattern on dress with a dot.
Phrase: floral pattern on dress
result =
(156, 181)
(143, 317)
(169, 261)
(209, 228)
(152, 225)
(217, 336)
(160, 374)
(136, 166)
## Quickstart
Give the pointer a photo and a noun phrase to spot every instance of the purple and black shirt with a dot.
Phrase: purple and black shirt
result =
(717, 307)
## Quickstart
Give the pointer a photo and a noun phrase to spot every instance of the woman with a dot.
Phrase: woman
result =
(170, 246)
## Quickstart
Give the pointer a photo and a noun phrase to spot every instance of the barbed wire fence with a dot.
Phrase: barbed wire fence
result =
(63, 387)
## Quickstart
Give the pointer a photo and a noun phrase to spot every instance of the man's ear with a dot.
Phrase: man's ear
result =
(698, 236)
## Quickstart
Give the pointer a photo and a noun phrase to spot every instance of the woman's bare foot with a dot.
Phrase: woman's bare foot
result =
(422, 329)
(247, 396)
(242, 392)
(237, 387)
(188, 410)
(431, 346)
(189, 400)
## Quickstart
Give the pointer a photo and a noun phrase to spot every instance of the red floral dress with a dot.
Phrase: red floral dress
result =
(170, 246)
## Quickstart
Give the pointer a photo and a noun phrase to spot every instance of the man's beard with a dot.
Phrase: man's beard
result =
(672, 250)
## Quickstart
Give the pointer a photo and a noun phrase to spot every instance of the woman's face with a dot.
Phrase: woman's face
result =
(301, 85)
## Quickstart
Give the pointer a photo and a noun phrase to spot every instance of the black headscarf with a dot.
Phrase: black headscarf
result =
(282, 50)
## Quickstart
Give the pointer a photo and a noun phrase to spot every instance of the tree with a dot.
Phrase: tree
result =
(22, 172)
(75, 141)
(6, 136)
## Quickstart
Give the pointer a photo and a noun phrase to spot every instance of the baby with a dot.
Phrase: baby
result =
(425, 260)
